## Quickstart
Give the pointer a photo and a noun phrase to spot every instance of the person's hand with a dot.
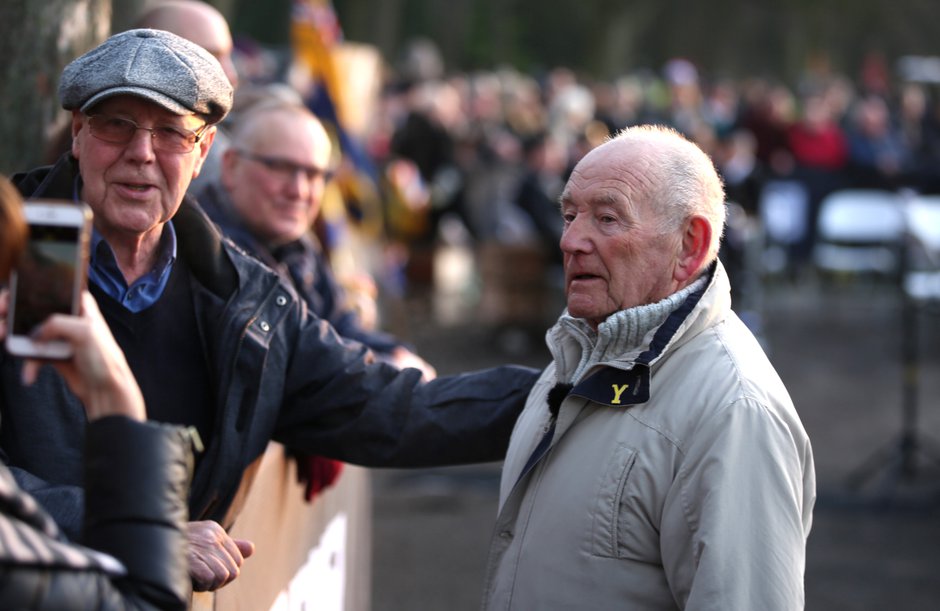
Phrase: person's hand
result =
(215, 558)
(97, 372)
(402, 358)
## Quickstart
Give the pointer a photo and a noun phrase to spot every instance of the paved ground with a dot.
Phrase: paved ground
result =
(838, 348)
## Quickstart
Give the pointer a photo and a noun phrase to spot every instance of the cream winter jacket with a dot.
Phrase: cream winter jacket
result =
(699, 497)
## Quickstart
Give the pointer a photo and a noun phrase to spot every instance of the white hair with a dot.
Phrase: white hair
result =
(684, 180)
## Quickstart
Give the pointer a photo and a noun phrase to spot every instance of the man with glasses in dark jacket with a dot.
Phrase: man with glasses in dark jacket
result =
(216, 340)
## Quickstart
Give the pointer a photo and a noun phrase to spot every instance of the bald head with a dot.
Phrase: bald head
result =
(676, 177)
(643, 215)
(197, 22)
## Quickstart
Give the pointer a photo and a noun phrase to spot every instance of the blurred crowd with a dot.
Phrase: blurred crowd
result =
(493, 148)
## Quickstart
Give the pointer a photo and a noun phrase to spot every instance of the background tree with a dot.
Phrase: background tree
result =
(607, 38)
(37, 39)
(599, 38)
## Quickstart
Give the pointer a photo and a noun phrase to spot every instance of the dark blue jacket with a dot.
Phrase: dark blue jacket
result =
(278, 373)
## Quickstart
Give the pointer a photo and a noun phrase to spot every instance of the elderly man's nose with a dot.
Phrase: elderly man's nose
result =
(297, 183)
(575, 236)
(140, 144)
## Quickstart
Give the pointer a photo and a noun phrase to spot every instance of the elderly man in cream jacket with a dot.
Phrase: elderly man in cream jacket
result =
(659, 463)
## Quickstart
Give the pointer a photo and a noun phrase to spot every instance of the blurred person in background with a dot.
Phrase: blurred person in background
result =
(203, 24)
(820, 153)
(686, 104)
(488, 153)
(132, 551)
(878, 155)
(198, 22)
(913, 125)
(426, 137)
(744, 178)
(659, 462)
(768, 109)
(543, 176)
(267, 199)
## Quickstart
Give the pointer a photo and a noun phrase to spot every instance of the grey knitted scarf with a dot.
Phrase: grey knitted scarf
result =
(622, 332)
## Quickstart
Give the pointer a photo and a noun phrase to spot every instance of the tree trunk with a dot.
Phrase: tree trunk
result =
(37, 39)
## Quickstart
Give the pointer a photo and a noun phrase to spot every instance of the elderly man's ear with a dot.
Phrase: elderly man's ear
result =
(693, 252)
(78, 119)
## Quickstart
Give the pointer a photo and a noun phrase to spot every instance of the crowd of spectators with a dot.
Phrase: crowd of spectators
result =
(493, 148)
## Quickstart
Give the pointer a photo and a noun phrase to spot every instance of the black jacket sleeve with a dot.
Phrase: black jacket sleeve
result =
(137, 476)
(345, 406)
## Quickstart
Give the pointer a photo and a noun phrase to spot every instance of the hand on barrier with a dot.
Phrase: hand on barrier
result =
(215, 558)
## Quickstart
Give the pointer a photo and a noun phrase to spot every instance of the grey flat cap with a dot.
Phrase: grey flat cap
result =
(159, 66)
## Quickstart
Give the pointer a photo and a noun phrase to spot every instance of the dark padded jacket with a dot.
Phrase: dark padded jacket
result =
(136, 481)
(278, 373)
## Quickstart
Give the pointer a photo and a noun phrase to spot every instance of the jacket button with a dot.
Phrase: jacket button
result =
(265, 326)
(281, 300)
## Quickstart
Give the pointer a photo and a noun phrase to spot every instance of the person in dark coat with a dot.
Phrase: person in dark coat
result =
(217, 340)
(267, 199)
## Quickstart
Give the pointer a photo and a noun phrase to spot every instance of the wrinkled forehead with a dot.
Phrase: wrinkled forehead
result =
(608, 174)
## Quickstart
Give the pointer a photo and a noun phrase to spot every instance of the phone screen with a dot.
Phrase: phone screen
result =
(45, 276)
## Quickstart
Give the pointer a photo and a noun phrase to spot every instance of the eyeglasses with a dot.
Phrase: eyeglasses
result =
(165, 138)
(286, 169)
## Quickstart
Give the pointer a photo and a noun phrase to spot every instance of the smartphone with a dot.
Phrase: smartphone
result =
(49, 276)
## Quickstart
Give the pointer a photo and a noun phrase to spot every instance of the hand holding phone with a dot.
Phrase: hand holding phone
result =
(97, 371)
(50, 275)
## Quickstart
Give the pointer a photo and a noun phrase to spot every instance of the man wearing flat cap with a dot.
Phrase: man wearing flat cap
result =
(216, 341)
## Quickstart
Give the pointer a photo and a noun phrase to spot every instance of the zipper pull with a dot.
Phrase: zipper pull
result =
(195, 439)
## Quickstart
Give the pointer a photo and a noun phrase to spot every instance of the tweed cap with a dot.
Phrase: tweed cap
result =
(159, 66)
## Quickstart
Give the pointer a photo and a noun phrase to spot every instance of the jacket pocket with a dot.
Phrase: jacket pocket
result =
(606, 525)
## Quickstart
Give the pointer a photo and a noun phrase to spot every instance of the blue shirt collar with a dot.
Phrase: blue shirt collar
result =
(103, 270)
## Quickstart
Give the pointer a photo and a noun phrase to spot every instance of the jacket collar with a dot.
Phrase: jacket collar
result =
(626, 380)
(571, 343)
(668, 331)
(201, 245)
(54, 181)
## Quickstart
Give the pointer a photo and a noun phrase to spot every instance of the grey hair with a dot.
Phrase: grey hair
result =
(684, 180)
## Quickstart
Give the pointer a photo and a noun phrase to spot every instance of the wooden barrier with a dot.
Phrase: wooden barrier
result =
(307, 555)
